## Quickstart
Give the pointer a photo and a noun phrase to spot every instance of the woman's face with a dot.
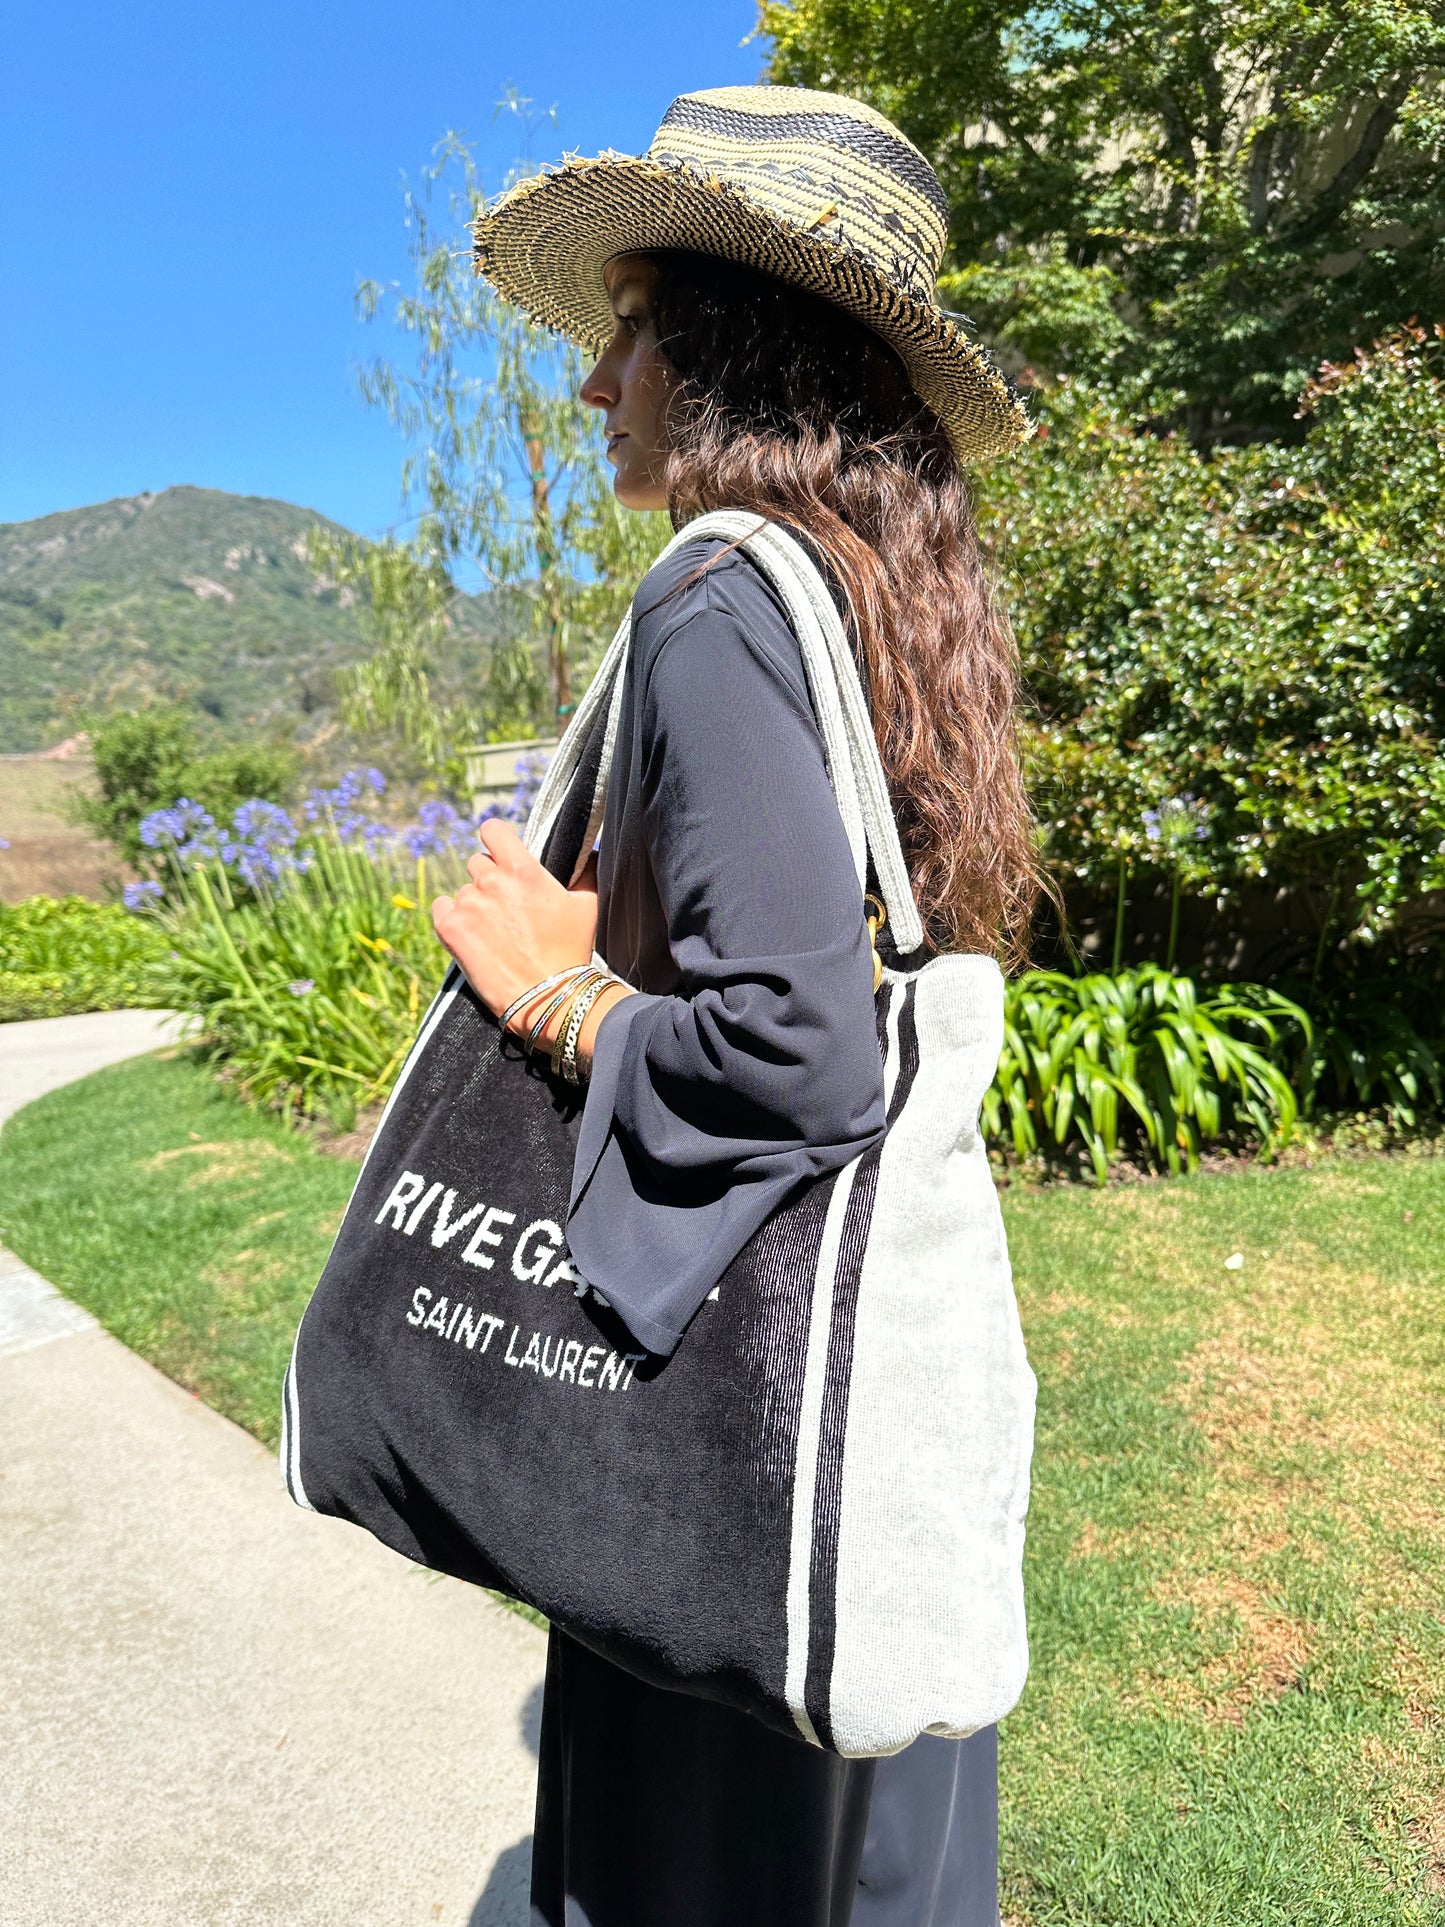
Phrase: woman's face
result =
(631, 384)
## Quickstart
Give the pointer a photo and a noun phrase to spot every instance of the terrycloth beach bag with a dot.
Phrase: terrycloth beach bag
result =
(814, 1510)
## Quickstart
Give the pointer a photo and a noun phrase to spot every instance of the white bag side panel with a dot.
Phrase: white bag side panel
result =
(930, 1632)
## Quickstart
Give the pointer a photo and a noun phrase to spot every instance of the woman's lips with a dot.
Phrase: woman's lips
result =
(620, 435)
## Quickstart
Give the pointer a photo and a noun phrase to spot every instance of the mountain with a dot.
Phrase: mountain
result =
(191, 594)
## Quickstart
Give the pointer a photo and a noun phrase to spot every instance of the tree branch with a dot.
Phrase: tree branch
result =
(1352, 172)
(1214, 119)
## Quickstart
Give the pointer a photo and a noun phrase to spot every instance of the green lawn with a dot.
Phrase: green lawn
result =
(1237, 1547)
(193, 1228)
(1237, 1552)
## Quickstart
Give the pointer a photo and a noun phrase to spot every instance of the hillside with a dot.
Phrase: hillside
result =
(192, 594)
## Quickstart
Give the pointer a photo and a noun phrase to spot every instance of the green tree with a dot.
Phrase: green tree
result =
(1211, 195)
(148, 759)
(506, 472)
(405, 599)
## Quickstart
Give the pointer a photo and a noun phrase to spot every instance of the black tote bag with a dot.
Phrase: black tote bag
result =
(813, 1510)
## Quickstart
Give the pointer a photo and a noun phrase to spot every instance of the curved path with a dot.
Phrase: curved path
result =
(214, 1707)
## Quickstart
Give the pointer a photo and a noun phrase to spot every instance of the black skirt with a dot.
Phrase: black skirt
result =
(655, 1809)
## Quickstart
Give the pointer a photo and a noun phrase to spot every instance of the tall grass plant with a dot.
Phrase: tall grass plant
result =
(303, 942)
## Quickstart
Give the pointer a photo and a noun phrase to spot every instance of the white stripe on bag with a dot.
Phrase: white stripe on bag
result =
(291, 1434)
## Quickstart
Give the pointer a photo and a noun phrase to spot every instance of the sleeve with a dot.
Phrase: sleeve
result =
(707, 1108)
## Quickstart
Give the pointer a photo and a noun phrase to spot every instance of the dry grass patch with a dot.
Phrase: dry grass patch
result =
(1299, 1377)
(1267, 1649)
(243, 1274)
(1323, 1451)
(225, 1162)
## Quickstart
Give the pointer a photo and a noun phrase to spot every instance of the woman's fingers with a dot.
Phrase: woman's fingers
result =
(467, 898)
(443, 917)
(513, 924)
(502, 844)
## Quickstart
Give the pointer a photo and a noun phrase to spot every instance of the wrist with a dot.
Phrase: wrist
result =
(541, 1015)
(532, 1013)
(609, 999)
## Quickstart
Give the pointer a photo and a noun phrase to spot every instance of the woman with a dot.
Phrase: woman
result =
(772, 344)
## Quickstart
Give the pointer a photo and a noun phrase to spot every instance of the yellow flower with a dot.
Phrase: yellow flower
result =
(399, 902)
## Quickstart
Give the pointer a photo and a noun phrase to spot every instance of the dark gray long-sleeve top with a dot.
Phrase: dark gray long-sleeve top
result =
(728, 897)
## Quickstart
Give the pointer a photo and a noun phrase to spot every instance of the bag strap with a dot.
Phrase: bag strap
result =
(854, 767)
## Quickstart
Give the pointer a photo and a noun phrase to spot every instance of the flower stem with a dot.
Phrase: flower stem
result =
(1118, 961)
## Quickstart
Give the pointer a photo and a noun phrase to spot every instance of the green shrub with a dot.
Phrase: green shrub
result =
(147, 759)
(1258, 640)
(59, 955)
(1094, 1065)
(1376, 1046)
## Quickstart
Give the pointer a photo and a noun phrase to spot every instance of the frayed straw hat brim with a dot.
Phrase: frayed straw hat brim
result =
(545, 244)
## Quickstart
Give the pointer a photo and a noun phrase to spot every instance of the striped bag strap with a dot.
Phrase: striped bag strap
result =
(855, 769)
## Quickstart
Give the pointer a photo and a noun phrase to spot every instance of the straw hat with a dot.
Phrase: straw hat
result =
(813, 188)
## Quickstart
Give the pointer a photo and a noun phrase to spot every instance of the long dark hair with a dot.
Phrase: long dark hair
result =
(787, 406)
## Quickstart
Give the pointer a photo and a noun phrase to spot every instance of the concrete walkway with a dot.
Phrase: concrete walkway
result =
(215, 1708)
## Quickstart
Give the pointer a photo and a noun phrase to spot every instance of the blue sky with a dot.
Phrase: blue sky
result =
(189, 194)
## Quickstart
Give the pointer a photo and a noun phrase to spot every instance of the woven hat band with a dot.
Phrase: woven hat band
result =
(820, 165)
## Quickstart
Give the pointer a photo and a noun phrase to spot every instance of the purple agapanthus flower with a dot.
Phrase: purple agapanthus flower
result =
(185, 828)
(355, 786)
(530, 770)
(262, 822)
(136, 896)
(262, 844)
(439, 827)
(1178, 819)
(378, 838)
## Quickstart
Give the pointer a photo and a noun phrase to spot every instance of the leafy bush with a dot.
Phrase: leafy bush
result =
(59, 955)
(1212, 196)
(147, 758)
(1374, 1046)
(1092, 1064)
(1258, 640)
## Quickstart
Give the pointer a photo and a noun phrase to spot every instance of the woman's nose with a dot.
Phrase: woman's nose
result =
(599, 389)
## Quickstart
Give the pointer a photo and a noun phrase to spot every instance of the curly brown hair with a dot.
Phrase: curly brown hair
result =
(788, 407)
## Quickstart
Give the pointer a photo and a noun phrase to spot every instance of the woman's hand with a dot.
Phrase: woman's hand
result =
(514, 923)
